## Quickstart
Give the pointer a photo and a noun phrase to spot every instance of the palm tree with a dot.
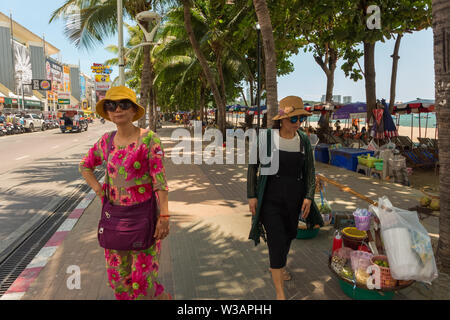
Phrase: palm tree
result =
(228, 67)
(262, 12)
(441, 25)
(94, 20)
(133, 65)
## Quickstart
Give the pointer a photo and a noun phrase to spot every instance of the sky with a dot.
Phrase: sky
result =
(415, 77)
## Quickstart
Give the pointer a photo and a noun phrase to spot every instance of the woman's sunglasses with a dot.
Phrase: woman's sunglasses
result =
(112, 105)
(294, 119)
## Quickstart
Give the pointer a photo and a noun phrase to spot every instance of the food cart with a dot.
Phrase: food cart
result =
(385, 251)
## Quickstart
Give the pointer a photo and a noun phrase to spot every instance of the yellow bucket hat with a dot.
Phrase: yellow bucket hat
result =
(289, 107)
(117, 94)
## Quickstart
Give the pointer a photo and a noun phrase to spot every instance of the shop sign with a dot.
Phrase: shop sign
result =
(102, 78)
(41, 84)
(2, 100)
(102, 86)
(63, 97)
(64, 101)
(101, 69)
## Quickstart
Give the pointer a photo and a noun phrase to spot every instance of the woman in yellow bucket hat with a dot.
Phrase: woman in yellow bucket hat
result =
(135, 172)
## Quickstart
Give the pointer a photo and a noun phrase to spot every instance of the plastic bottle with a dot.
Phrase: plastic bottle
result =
(337, 241)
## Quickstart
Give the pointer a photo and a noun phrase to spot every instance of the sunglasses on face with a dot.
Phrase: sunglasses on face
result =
(294, 119)
(112, 105)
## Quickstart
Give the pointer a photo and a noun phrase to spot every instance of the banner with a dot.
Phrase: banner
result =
(22, 70)
(66, 78)
(82, 87)
(55, 74)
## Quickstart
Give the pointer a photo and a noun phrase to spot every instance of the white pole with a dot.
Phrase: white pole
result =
(120, 26)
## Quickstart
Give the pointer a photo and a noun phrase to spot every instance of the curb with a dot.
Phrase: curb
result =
(21, 285)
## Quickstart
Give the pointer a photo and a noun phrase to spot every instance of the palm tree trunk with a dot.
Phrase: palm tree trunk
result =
(145, 85)
(441, 31)
(262, 12)
(395, 58)
(220, 104)
(369, 71)
(202, 103)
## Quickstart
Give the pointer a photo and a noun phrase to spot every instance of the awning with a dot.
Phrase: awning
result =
(4, 90)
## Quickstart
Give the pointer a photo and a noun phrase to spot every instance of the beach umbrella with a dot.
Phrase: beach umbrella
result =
(351, 110)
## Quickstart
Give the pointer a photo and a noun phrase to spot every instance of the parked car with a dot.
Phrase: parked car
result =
(32, 122)
(72, 121)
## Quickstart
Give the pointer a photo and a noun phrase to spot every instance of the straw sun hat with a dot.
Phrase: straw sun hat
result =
(289, 107)
(117, 94)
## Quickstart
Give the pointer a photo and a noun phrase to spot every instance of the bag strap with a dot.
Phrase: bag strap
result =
(106, 158)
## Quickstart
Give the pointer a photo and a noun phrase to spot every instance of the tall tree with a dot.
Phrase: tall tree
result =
(441, 31)
(270, 57)
(94, 20)
(220, 103)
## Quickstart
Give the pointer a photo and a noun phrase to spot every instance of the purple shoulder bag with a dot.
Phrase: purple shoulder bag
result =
(126, 227)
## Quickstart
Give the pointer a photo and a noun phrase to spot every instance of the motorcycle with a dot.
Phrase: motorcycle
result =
(17, 128)
(3, 131)
(9, 128)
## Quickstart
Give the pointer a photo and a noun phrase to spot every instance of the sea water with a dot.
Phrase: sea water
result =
(405, 120)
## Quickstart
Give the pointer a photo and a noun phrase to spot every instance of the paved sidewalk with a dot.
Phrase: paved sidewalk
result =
(207, 254)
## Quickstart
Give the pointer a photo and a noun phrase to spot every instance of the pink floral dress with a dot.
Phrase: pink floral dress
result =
(134, 172)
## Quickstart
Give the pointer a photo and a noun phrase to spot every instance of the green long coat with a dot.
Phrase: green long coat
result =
(256, 184)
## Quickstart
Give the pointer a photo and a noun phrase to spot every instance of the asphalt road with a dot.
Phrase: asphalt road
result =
(38, 170)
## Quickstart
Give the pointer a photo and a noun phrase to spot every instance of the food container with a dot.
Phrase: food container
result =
(360, 260)
(353, 237)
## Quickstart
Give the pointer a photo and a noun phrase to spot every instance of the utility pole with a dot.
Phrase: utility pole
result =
(120, 26)
(258, 96)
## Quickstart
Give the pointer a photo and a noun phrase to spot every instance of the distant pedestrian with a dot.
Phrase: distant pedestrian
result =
(134, 198)
(278, 201)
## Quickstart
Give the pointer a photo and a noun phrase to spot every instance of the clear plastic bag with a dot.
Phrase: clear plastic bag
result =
(325, 209)
(406, 242)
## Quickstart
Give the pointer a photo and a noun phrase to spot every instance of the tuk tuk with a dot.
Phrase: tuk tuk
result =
(72, 120)
(89, 116)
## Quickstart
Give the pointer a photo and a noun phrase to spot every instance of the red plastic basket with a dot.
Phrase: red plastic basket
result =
(385, 273)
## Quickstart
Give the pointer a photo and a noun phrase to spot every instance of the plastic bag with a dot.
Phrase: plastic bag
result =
(372, 145)
(406, 242)
(325, 209)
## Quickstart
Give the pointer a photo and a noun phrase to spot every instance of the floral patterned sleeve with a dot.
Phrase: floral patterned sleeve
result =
(95, 155)
(156, 157)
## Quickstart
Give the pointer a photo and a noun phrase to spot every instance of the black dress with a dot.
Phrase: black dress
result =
(280, 211)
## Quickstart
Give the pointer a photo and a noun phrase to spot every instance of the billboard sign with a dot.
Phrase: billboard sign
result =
(55, 75)
(66, 77)
(102, 78)
(101, 69)
(23, 73)
(38, 84)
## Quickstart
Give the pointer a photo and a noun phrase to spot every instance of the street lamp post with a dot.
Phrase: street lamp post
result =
(120, 45)
(258, 95)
